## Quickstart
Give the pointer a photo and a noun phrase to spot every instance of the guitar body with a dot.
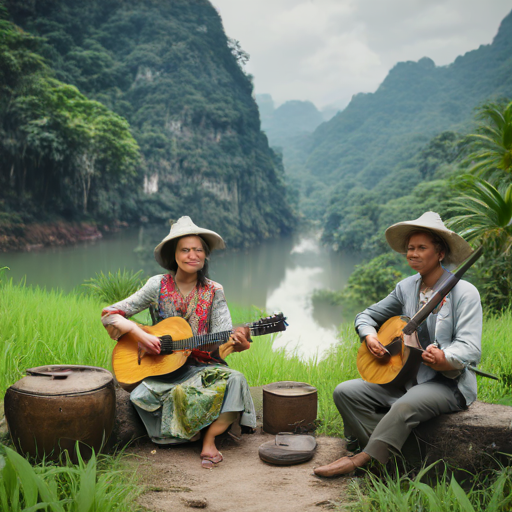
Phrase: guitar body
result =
(398, 367)
(132, 366)
(125, 357)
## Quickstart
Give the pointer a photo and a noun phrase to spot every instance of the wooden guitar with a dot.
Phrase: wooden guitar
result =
(398, 335)
(131, 366)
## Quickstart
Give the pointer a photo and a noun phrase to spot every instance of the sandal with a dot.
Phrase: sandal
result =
(211, 462)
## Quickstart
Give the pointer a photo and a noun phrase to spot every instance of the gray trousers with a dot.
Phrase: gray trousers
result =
(382, 417)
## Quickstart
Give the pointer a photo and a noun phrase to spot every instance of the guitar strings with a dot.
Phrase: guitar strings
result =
(168, 345)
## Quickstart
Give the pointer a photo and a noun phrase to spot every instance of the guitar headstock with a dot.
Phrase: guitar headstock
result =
(269, 324)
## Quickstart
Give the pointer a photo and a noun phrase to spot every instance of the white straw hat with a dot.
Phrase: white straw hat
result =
(397, 234)
(184, 227)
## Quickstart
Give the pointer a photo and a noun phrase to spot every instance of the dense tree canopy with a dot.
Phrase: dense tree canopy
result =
(55, 143)
(168, 70)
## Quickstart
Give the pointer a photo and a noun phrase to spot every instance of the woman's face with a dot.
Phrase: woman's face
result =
(422, 254)
(190, 254)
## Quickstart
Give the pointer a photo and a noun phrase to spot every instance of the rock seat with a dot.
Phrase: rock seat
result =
(471, 440)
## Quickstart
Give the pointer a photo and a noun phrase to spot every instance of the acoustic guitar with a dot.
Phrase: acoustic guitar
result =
(399, 337)
(131, 365)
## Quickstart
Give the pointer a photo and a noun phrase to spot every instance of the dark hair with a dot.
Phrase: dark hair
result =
(438, 241)
(169, 258)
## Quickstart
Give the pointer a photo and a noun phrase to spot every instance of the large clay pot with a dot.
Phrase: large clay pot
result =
(55, 406)
(289, 407)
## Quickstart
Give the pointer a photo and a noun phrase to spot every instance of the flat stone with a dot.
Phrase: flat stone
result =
(195, 502)
(469, 440)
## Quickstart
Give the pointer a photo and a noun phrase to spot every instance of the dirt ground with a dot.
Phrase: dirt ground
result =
(242, 482)
(175, 480)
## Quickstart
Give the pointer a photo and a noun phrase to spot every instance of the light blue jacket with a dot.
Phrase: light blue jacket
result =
(457, 328)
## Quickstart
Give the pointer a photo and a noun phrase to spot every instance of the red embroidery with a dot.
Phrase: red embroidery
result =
(194, 308)
(113, 312)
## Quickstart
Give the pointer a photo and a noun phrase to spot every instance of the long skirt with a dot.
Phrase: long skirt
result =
(175, 407)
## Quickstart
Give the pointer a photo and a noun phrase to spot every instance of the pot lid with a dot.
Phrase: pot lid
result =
(289, 388)
(54, 380)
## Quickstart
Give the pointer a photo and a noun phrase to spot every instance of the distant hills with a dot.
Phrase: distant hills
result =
(291, 119)
(374, 144)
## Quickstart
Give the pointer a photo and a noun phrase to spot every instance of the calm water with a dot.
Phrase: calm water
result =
(279, 275)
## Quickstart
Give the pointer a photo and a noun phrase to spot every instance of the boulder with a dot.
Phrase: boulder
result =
(128, 426)
(471, 440)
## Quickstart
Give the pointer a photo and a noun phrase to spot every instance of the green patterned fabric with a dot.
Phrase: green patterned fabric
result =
(194, 404)
(177, 406)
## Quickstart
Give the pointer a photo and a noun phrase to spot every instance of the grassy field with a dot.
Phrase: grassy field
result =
(39, 327)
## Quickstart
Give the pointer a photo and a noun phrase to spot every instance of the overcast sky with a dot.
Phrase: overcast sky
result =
(327, 50)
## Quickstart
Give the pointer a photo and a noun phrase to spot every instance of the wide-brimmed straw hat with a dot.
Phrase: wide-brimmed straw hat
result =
(397, 235)
(185, 227)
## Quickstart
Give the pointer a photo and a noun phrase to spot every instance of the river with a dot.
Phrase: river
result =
(278, 275)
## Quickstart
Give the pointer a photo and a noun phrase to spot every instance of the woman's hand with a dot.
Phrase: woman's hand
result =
(238, 342)
(117, 325)
(148, 342)
(375, 347)
(434, 358)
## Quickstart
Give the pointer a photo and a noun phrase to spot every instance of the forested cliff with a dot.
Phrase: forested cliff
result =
(165, 76)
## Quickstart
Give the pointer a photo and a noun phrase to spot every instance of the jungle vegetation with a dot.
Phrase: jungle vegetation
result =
(470, 186)
(375, 150)
(134, 111)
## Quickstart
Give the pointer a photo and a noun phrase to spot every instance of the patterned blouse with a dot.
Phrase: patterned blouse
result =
(204, 308)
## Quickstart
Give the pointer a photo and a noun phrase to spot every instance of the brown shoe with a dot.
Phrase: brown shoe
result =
(343, 466)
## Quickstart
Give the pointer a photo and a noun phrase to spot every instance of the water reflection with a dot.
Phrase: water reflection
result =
(310, 332)
(278, 275)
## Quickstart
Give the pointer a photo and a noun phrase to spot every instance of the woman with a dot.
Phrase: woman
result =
(204, 393)
(380, 418)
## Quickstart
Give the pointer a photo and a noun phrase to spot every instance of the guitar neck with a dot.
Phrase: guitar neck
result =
(206, 342)
(210, 342)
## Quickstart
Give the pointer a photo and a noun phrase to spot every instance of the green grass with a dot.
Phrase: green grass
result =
(497, 359)
(38, 327)
(111, 288)
(96, 485)
(402, 493)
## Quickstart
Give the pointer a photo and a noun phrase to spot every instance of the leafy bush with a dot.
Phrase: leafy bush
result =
(112, 288)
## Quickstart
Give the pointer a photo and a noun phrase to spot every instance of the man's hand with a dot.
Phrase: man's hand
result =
(434, 358)
(375, 347)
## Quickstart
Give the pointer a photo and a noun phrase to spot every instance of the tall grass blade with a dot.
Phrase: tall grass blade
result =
(460, 496)
(85, 497)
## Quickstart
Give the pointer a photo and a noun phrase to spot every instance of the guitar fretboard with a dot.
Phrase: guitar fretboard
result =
(210, 342)
(205, 341)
